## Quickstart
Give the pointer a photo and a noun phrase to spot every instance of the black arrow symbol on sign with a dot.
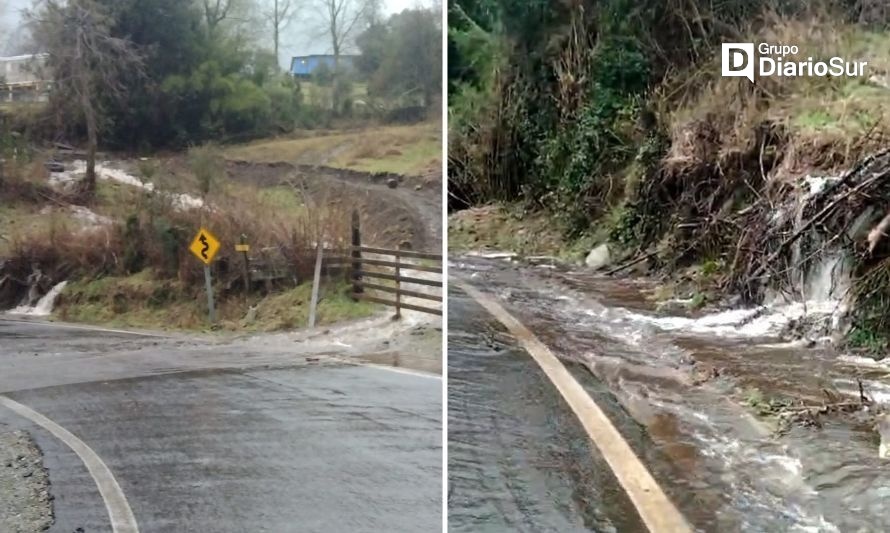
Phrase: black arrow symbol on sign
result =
(203, 239)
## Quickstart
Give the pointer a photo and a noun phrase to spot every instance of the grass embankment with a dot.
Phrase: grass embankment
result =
(148, 302)
(692, 171)
(322, 96)
(711, 147)
(407, 150)
(124, 250)
(509, 228)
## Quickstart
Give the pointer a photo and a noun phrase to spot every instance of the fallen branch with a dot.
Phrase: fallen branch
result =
(818, 217)
(631, 263)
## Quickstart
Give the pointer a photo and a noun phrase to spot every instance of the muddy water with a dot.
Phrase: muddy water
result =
(724, 468)
(518, 459)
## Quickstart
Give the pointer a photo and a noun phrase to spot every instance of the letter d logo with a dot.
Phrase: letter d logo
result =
(737, 60)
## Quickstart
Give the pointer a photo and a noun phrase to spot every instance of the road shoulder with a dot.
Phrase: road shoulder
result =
(25, 499)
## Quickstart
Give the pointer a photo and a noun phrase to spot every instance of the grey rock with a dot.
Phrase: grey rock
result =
(599, 257)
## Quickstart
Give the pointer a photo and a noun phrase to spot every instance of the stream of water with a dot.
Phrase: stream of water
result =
(44, 306)
(724, 467)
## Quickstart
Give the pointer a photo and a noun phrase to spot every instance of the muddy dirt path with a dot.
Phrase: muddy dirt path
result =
(410, 213)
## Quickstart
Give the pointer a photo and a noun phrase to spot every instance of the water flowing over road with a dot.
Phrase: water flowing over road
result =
(290, 432)
(519, 461)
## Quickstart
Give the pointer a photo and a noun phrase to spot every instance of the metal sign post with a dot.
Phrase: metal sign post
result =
(208, 286)
(205, 247)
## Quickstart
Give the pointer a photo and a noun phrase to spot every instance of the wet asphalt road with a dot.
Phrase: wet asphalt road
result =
(518, 459)
(287, 443)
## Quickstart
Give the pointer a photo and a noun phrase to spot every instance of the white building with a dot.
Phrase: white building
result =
(24, 78)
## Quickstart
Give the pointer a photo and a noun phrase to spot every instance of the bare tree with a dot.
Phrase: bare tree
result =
(88, 64)
(342, 20)
(216, 11)
(280, 14)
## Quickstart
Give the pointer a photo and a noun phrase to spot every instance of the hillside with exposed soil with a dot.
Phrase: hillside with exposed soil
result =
(622, 134)
(124, 256)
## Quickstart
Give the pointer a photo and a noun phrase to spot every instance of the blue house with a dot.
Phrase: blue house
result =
(304, 66)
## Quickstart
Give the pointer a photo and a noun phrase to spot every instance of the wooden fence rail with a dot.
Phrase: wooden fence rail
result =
(361, 267)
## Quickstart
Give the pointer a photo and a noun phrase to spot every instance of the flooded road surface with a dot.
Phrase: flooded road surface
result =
(724, 468)
(518, 458)
(265, 438)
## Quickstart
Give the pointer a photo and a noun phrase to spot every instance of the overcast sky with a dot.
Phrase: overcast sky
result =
(298, 40)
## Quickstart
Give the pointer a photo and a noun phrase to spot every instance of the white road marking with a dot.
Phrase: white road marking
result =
(655, 508)
(387, 368)
(415, 373)
(119, 512)
(85, 328)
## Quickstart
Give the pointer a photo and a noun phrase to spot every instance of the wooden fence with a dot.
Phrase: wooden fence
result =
(374, 264)
(364, 268)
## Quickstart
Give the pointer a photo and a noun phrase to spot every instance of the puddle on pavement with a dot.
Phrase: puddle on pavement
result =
(400, 360)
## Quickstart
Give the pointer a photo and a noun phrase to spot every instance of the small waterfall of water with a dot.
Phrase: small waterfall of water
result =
(44, 306)
(812, 301)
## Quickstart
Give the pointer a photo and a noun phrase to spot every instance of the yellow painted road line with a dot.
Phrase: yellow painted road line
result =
(119, 512)
(655, 508)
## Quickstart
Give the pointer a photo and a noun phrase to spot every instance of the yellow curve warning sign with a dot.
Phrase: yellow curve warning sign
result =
(205, 246)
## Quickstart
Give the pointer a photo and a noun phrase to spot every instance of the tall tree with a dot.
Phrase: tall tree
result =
(342, 20)
(404, 56)
(280, 14)
(216, 11)
(88, 64)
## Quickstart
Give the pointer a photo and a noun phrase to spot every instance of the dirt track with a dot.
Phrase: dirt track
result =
(411, 213)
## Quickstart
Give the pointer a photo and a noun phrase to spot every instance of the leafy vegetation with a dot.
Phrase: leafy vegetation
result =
(167, 73)
(402, 57)
(552, 103)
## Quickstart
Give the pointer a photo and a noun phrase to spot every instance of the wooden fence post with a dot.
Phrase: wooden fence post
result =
(356, 254)
(398, 285)
(315, 284)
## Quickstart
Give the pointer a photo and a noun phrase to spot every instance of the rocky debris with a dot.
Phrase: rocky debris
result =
(25, 500)
(599, 257)
(392, 183)
(87, 217)
(250, 317)
(543, 260)
(704, 372)
(675, 306)
(882, 426)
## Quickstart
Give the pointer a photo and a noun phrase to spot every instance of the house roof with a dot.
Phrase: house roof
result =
(16, 70)
(325, 55)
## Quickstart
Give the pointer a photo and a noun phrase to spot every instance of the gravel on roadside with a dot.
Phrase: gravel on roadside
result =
(26, 504)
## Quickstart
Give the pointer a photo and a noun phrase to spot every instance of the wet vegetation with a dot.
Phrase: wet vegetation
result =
(611, 117)
(128, 252)
(167, 116)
